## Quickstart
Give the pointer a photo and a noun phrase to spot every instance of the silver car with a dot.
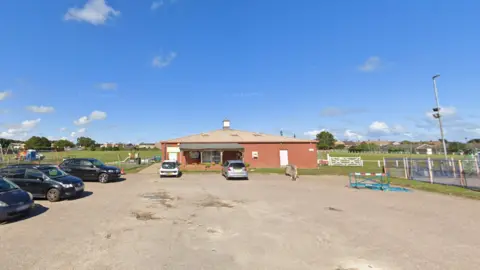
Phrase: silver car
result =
(234, 169)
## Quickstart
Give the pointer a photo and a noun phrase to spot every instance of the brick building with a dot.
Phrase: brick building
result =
(258, 149)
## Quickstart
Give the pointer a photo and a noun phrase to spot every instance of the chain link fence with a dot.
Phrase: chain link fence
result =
(462, 173)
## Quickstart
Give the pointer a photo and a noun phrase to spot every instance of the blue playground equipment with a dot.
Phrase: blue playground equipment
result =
(374, 181)
(31, 155)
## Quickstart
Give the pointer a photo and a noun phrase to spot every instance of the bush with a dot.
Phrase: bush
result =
(340, 146)
(116, 148)
(93, 148)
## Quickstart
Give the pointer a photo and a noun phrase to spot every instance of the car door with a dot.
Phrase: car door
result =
(17, 176)
(36, 182)
(89, 171)
(73, 167)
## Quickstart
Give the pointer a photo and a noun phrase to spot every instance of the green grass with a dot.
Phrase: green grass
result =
(105, 156)
(442, 189)
(380, 156)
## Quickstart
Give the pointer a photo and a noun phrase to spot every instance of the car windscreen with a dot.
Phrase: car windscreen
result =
(6, 185)
(237, 165)
(52, 172)
(169, 165)
(97, 162)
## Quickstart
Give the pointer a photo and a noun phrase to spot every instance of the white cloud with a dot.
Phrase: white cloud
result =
(96, 12)
(108, 86)
(350, 135)
(29, 124)
(98, 115)
(378, 128)
(82, 121)
(63, 138)
(445, 112)
(155, 5)
(5, 94)
(41, 109)
(63, 129)
(313, 133)
(20, 131)
(73, 134)
(95, 115)
(371, 64)
(163, 61)
(81, 130)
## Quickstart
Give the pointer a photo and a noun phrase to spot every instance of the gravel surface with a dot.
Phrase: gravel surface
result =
(269, 222)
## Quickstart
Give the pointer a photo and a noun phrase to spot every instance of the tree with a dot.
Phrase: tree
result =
(455, 147)
(325, 140)
(474, 141)
(63, 143)
(340, 146)
(85, 141)
(36, 142)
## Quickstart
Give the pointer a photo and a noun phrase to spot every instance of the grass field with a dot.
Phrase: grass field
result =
(105, 156)
(380, 156)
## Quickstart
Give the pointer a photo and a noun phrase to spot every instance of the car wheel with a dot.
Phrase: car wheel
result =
(103, 178)
(53, 195)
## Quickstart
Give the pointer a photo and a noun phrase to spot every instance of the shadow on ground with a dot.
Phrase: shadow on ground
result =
(37, 210)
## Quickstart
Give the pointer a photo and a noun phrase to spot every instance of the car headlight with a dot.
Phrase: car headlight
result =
(67, 185)
(30, 195)
(111, 171)
(2, 204)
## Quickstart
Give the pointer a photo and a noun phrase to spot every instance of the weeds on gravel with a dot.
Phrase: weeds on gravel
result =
(162, 197)
(212, 201)
(144, 216)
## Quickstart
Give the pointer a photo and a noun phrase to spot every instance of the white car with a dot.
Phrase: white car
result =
(169, 168)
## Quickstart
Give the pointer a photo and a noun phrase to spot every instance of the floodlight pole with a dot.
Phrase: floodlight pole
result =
(439, 116)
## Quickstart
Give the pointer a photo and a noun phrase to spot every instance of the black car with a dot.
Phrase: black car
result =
(44, 181)
(14, 202)
(90, 169)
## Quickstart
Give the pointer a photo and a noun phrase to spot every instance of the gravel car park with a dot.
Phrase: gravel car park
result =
(269, 222)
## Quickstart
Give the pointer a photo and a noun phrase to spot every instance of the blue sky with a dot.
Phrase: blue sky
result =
(122, 70)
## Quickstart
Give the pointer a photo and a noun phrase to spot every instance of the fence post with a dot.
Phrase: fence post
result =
(476, 165)
(430, 170)
(379, 166)
(405, 167)
(460, 168)
(453, 167)
(396, 163)
(384, 165)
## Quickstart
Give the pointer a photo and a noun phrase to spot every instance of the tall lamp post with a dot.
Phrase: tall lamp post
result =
(436, 114)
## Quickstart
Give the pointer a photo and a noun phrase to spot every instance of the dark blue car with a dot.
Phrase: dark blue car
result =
(14, 202)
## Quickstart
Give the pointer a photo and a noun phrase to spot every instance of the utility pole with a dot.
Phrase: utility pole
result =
(436, 114)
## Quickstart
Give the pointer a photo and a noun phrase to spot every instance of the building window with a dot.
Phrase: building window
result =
(211, 157)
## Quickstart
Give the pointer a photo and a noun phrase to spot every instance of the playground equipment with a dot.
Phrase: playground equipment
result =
(374, 181)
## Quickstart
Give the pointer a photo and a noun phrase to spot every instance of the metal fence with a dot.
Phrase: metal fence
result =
(462, 173)
(57, 161)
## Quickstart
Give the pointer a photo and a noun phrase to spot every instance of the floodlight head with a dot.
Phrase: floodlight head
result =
(436, 76)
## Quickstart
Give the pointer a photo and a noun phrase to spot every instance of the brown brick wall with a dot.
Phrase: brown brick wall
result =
(269, 154)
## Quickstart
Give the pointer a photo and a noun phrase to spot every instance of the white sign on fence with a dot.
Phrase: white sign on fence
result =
(345, 161)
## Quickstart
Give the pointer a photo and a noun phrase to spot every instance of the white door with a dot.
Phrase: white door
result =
(283, 157)
(172, 156)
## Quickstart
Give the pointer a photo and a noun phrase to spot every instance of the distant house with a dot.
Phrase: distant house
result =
(424, 149)
(17, 146)
(349, 144)
(105, 145)
(146, 145)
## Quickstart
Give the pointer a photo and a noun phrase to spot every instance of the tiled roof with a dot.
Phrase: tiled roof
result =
(232, 135)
